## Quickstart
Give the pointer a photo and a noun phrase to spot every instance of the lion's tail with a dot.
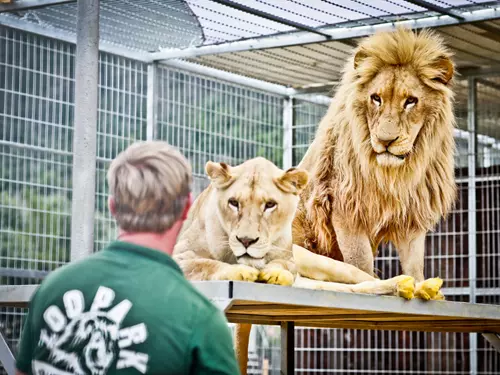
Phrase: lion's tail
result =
(242, 337)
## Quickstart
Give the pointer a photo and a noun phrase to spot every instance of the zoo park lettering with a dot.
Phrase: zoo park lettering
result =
(74, 304)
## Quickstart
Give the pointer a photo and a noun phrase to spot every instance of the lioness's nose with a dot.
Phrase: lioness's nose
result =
(246, 241)
(386, 140)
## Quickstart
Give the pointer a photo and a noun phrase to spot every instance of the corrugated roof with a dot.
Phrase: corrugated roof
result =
(320, 63)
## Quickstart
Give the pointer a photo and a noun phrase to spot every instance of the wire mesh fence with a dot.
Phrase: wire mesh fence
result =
(208, 119)
(213, 120)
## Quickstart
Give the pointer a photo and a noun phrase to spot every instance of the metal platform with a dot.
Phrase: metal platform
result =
(288, 307)
(263, 304)
(271, 304)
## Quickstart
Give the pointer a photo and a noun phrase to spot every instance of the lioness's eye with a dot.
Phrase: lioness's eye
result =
(233, 202)
(376, 98)
(270, 205)
(411, 100)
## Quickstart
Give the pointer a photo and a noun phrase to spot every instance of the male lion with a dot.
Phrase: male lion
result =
(240, 228)
(381, 163)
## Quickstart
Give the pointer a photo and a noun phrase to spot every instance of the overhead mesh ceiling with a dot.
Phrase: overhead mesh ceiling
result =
(222, 23)
(145, 25)
(153, 25)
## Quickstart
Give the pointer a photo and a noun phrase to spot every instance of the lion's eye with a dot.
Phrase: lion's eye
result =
(233, 203)
(270, 205)
(410, 100)
(376, 99)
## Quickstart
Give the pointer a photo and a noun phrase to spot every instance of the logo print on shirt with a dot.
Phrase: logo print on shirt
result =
(81, 343)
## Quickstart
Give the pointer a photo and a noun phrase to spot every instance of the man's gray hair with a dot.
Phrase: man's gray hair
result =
(150, 183)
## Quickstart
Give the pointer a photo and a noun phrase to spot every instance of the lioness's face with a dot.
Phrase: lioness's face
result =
(256, 203)
(397, 106)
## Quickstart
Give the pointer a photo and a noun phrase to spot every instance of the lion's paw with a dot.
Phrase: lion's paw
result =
(237, 272)
(405, 286)
(430, 289)
(276, 276)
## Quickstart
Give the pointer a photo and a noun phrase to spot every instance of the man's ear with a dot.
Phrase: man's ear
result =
(189, 203)
(445, 69)
(219, 174)
(112, 205)
(293, 180)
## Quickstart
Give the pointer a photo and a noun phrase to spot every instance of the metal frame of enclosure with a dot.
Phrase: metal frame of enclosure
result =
(285, 56)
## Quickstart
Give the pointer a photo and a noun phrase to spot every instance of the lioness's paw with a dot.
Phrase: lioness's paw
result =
(430, 289)
(405, 286)
(276, 276)
(237, 272)
(439, 297)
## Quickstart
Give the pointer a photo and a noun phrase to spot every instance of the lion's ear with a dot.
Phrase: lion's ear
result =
(293, 180)
(359, 57)
(219, 174)
(445, 68)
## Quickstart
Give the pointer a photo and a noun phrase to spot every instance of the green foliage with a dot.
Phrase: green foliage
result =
(35, 229)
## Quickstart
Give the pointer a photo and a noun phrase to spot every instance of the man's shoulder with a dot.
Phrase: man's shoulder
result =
(73, 266)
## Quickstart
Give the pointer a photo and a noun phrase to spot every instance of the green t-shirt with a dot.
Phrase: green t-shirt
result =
(124, 310)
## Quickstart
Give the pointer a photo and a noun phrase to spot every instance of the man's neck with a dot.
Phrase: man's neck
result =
(163, 242)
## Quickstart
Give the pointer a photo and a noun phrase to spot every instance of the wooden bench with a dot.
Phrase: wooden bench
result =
(290, 307)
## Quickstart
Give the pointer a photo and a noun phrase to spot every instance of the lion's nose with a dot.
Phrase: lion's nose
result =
(246, 241)
(386, 141)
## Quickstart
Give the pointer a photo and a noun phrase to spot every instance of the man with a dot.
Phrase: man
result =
(128, 309)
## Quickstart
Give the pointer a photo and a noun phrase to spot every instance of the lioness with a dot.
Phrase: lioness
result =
(240, 228)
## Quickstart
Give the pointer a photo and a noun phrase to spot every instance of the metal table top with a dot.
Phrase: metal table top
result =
(272, 304)
(245, 302)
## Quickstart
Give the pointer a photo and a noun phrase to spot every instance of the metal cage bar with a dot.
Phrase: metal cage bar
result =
(152, 102)
(287, 133)
(471, 213)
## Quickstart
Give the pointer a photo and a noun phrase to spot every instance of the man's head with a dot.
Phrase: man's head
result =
(150, 188)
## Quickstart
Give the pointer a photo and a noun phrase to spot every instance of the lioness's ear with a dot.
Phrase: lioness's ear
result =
(445, 68)
(359, 57)
(293, 180)
(219, 174)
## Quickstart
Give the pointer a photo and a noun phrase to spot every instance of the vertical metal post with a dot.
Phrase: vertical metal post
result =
(287, 348)
(85, 129)
(152, 103)
(472, 235)
(287, 133)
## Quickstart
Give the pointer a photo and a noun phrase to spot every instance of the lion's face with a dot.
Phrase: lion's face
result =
(401, 94)
(256, 202)
(396, 107)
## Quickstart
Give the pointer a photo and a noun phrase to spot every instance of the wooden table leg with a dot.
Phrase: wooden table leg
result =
(287, 348)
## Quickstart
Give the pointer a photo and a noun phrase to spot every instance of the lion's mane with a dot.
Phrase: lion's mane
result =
(387, 203)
